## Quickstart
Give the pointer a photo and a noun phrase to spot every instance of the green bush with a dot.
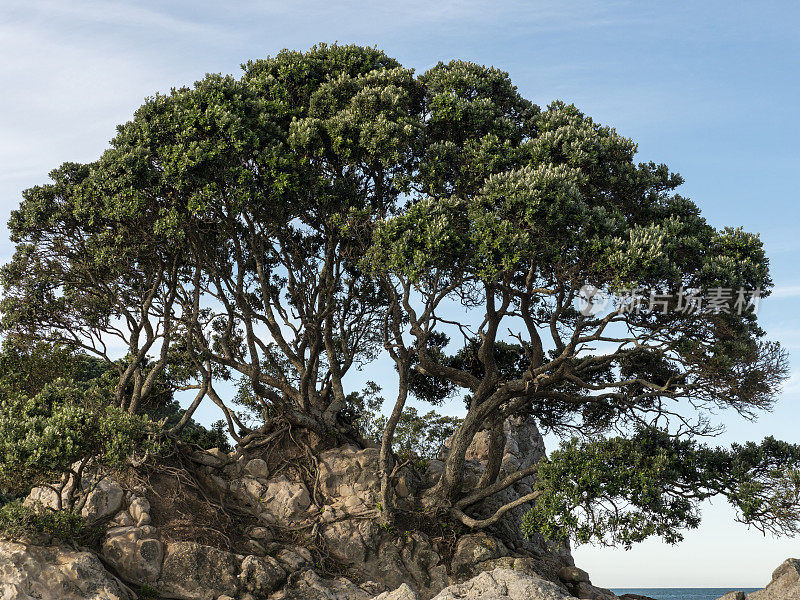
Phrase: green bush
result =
(42, 436)
(18, 522)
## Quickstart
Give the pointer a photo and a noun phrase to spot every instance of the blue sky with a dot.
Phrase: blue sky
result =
(710, 88)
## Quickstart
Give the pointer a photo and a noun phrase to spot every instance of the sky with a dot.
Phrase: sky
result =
(710, 88)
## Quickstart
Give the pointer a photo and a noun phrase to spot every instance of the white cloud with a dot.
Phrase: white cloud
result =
(126, 14)
(785, 291)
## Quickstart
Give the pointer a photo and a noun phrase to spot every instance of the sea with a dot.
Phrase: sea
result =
(681, 593)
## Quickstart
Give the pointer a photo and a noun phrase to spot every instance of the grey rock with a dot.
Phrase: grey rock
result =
(785, 584)
(476, 548)
(261, 575)
(260, 533)
(33, 572)
(309, 585)
(586, 591)
(257, 468)
(139, 510)
(195, 572)
(213, 457)
(104, 501)
(503, 584)
(294, 559)
(134, 554)
(283, 500)
(402, 593)
(736, 595)
(573, 575)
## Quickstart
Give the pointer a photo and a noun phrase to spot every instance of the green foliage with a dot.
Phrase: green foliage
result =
(43, 435)
(287, 226)
(193, 432)
(619, 491)
(421, 435)
(416, 436)
(20, 522)
(48, 425)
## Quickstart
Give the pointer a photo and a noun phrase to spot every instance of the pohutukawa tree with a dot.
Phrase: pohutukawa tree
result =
(331, 207)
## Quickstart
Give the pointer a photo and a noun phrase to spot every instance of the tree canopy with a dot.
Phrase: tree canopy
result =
(330, 207)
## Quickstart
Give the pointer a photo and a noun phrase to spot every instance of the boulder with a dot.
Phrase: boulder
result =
(785, 584)
(102, 502)
(737, 595)
(134, 553)
(211, 458)
(573, 575)
(195, 572)
(286, 500)
(586, 591)
(309, 585)
(278, 500)
(257, 468)
(476, 548)
(349, 471)
(294, 559)
(30, 572)
(402, 593)
(503, 584)
(139, 510)
(261, 576)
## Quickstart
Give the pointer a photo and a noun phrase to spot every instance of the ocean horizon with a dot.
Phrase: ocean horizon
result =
(681, 593)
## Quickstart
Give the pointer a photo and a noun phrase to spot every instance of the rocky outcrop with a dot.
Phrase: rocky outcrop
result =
(104, 498)
(733, 596)
(334, 512)
(309, 585)
(29, 572)
(502, 584)
(785, 584)
(578, 583)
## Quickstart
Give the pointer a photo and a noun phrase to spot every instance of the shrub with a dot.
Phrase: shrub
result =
(18, 522)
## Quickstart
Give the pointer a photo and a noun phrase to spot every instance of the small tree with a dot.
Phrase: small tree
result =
(65, 422)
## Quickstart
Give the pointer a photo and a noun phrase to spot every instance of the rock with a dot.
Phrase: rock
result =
(785, 584)
(134, 554)
(248, 491)
(475, 548)
(434, 471)
(30, 572)
(503, 584)
(402, 593)
(261, 575)
(573, 575)
(213, 457)
(195, 572)
(284, 500)
(260, 533)
(139, 510)
(738, 595)
(44, 496)
(104, 501)
(294, 559)
(257, 468)
(373, 588)
(309, 585)
(586, 591)
(123, 519)
(349, 471)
